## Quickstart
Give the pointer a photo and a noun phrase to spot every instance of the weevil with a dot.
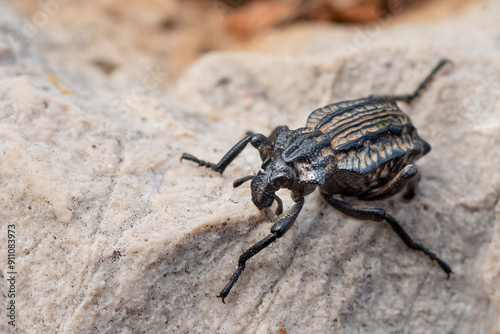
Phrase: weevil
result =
(362, 148)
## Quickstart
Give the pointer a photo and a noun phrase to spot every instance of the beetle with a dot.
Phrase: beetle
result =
(362, 148)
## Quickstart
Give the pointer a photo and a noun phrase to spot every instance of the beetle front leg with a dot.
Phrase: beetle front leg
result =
(277, 231)
(260, 142)
(378, 214)
(225, 161)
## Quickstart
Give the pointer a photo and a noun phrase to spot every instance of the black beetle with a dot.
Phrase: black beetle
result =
(363, 148)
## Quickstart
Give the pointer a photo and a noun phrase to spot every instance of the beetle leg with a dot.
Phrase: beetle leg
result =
(409, 97)
(407, 177)
(411, 187)
(377, 214)
(283, 224)
(225, 161)
(260, 142)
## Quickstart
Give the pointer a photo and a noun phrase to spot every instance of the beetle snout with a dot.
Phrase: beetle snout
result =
(262, 190)
(264, 203)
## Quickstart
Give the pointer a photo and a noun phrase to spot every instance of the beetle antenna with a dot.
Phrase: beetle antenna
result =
(242, 180)
(279, 210)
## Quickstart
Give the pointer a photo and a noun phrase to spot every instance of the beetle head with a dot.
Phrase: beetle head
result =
(275, 174)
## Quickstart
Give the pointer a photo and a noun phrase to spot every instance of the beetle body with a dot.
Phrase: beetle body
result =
(361, 148)
(351, 148)
(372, 141)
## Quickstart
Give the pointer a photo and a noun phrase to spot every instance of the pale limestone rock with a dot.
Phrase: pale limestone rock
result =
(115, 235)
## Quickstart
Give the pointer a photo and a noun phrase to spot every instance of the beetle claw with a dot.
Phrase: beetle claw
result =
(221, 297)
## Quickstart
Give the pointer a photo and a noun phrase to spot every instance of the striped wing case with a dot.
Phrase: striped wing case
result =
(366, 133)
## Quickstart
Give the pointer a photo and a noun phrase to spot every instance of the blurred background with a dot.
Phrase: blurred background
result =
(110, 35)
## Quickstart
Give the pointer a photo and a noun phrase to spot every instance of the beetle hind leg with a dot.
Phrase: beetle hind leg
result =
(407, 177)
(377, 214)
(408, 98)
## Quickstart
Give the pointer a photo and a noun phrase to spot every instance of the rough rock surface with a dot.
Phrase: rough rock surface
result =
(114, 234)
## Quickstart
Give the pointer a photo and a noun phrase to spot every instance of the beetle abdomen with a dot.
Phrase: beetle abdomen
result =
(372, 140)
(352, 126)
(402, 148)
(361, 169)
(368, 132)
(317, 115)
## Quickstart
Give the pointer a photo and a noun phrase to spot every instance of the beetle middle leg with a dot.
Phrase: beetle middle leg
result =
(377, 214)
(407, 177)
(283, 224)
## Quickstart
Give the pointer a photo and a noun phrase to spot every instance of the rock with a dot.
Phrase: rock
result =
(114, 234)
